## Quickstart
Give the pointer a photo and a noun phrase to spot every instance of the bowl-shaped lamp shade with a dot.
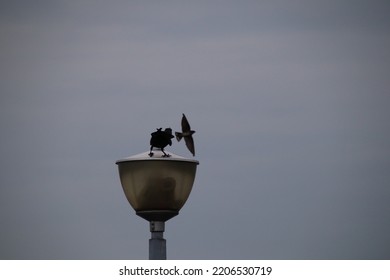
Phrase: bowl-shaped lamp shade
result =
(157, 183)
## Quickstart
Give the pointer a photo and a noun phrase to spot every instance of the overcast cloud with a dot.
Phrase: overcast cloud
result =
(289, 100)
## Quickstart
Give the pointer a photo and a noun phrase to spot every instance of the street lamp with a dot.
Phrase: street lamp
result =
(157, 187)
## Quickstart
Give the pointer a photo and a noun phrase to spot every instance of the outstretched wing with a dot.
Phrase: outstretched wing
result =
(190, 144)
(185, 126)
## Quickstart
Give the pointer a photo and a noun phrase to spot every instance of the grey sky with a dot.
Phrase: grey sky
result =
(290, 101)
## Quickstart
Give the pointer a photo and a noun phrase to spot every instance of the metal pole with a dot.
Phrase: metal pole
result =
(157, 244)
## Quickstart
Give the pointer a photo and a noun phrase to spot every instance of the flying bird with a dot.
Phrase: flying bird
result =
(186, 134)
(160, 139)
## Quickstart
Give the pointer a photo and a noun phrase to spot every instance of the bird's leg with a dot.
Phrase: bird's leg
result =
(165, 154)
(151, 153)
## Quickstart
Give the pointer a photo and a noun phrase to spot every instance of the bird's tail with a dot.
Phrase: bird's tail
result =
(178, 136)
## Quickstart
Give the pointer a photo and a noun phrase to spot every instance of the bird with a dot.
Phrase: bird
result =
(186, 134)
(160, 139)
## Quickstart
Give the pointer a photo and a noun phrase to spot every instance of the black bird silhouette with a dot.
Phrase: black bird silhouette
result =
(186, 134)
(160, 139)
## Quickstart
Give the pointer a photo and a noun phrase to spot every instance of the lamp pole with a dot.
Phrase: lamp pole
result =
(157, 243)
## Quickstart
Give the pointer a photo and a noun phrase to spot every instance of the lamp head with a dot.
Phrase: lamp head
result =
(157, 187)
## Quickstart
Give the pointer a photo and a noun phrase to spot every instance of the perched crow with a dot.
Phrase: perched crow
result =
(186, 134)
(161, 139)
